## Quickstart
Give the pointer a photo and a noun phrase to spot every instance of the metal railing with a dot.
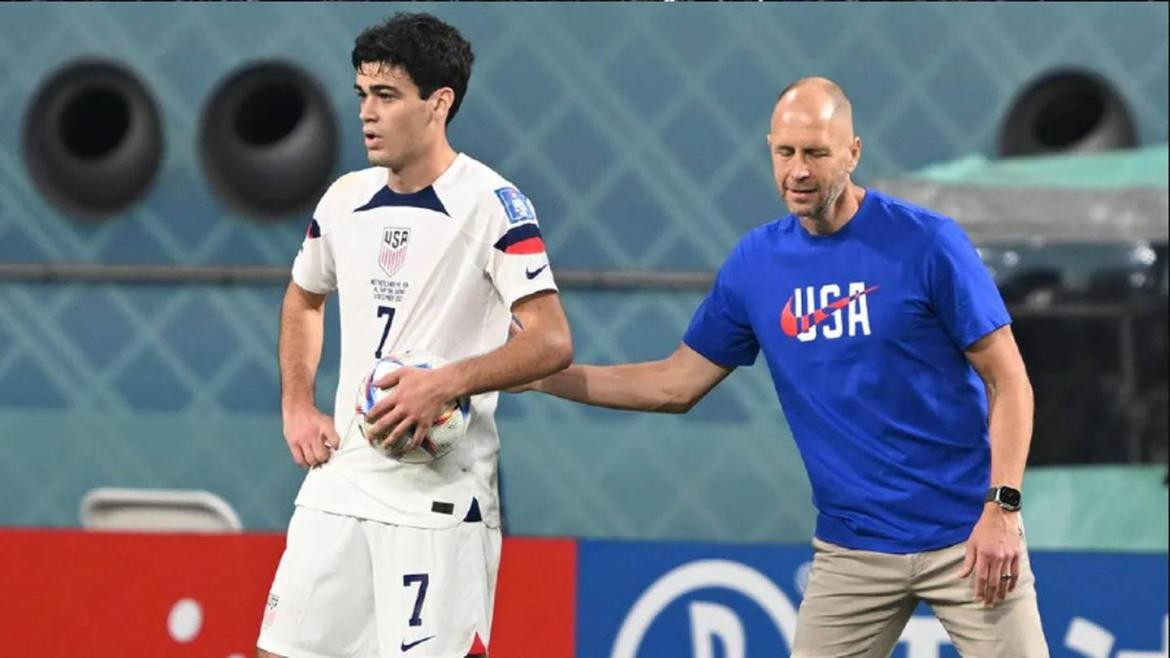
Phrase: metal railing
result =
(268, 275)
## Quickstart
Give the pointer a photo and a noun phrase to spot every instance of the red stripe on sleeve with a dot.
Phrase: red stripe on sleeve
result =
(529, 246)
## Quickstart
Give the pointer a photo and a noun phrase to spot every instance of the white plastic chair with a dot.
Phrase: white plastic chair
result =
(157, 510)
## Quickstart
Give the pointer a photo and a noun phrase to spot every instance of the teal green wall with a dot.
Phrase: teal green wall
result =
(638, 132)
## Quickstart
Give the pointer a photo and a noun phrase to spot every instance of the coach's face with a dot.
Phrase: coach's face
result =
(813, 151)
(397, 125)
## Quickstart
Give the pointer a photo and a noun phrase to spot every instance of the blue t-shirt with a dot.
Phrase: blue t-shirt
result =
(864, 331)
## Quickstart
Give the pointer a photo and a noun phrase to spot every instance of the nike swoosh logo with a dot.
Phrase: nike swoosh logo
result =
(792, 325)
(531, 274)
(408, 647)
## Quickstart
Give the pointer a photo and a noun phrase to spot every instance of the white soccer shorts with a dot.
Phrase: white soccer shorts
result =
(353, 588)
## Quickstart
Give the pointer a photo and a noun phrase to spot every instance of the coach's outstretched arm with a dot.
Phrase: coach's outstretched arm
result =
(308, 432)
(671, 385)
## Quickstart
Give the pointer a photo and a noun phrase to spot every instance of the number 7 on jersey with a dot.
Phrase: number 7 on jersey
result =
(388, 312)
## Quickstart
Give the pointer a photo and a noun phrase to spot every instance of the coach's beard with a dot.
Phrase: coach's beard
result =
(821, 212)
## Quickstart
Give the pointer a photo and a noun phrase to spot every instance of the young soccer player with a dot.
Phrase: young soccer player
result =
(427, 249)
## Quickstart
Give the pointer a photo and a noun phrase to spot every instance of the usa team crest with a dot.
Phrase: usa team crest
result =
(392, 253)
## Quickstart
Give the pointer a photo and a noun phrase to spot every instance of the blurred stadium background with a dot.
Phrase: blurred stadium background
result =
(159, 164)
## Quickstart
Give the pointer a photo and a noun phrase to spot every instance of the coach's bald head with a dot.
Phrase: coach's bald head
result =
(815, 99)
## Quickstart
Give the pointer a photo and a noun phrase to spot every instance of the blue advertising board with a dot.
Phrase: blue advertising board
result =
(650, 600)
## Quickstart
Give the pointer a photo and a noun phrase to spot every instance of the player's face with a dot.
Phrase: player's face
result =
(396, 123)
(812, 157)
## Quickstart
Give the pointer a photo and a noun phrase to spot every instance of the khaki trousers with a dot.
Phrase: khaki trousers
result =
(858, 602)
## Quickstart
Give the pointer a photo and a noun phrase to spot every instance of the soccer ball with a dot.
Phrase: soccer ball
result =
(448, 427)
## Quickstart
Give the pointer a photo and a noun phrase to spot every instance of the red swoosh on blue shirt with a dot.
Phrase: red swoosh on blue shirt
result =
(792, 325)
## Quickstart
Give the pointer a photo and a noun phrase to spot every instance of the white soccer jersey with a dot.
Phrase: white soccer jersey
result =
(436, 270)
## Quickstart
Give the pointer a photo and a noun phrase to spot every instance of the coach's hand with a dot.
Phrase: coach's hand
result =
(310, 435)
(417, 399)
(993, 554)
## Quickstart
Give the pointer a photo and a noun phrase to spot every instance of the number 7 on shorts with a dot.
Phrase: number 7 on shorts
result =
(423, 580)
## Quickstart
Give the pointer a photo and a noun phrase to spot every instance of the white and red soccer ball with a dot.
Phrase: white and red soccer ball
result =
(447, 428)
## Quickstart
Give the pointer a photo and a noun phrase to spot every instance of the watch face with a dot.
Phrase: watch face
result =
(1009, 497)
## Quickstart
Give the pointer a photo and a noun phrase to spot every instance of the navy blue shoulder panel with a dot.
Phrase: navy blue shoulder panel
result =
(424, 198)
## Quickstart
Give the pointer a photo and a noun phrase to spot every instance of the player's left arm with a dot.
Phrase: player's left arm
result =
(994, 547)
(544, 347)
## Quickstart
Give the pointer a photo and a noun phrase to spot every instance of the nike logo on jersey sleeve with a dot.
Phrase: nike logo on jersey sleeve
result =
(532, 274)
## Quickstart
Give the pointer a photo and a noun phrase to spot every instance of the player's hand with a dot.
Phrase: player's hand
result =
(310, 435)
(993, 554)
(417, 399)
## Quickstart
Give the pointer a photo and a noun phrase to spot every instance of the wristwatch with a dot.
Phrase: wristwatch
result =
(1006, 497)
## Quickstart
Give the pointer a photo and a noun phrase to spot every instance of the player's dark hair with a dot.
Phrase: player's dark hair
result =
(432, 53)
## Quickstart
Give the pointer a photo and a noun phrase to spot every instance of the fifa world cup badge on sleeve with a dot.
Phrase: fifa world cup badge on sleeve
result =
(516, 205)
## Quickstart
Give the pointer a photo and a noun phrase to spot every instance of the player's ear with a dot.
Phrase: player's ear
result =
(441, 101)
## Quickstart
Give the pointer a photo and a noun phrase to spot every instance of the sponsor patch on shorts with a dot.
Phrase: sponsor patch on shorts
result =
(270, 610)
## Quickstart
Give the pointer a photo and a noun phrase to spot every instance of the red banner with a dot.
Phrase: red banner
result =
(536, 599)
(121, 595)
